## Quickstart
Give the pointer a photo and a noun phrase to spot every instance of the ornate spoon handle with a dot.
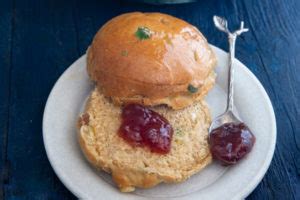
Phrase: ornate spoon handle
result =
(221, 24)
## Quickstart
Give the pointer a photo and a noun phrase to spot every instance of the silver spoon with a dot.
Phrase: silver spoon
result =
(228, 116)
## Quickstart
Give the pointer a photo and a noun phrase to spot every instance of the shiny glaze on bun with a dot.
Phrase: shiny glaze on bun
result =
(151, 59)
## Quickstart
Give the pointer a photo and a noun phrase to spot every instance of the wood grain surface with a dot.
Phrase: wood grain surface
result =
(40, 39)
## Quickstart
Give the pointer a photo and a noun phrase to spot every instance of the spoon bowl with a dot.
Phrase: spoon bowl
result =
(227, 117)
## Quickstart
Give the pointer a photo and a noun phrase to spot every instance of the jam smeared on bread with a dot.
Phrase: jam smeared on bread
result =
(231, 142)
(84, 119)
(144, 127)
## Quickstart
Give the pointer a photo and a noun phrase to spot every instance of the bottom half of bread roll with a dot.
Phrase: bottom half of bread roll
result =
(133, 167)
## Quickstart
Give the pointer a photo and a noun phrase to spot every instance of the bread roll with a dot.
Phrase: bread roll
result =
(151, 59)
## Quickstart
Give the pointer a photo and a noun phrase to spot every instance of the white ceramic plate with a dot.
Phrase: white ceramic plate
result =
(214, 182)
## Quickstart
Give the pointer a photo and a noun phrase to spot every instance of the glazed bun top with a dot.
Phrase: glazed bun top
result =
(150, 58)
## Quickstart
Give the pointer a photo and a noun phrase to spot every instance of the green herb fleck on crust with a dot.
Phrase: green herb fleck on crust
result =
(192, 89)
(143, 33)
(124, 53)
(178, 132)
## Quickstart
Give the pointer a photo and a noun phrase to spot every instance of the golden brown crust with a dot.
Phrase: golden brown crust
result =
(138, 167)
(175, 55)
(175, 102)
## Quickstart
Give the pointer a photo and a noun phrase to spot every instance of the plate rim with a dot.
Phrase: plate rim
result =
(243, 194)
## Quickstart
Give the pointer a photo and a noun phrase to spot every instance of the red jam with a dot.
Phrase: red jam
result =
(231, 142)
(144, 127)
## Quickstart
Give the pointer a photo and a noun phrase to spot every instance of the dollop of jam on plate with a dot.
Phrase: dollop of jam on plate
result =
(144, 127)
(231, 142)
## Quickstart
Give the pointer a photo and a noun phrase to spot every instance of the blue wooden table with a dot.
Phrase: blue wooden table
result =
(40, 39)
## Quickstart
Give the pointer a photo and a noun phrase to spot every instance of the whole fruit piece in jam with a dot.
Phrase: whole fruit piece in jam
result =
(231, 142)
(144, 127)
